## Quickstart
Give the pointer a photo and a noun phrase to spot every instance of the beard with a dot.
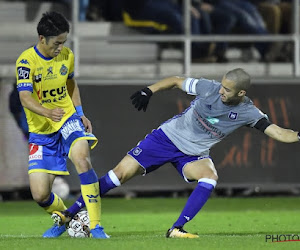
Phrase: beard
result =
(234, 100)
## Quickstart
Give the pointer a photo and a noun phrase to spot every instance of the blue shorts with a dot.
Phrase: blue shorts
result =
(157, 149)
(48, 153)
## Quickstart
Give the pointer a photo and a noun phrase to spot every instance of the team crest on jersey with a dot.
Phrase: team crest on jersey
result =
(137, 151)
(35, 152)
(63, 70)
(24, 61)
(233, 115)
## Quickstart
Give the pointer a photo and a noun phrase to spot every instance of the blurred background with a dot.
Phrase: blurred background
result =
(121, 46)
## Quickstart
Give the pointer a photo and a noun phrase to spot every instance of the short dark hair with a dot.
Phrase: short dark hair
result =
(240, 77)
(52, 24)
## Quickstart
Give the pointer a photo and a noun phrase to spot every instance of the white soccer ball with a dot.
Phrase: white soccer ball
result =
(79, 226)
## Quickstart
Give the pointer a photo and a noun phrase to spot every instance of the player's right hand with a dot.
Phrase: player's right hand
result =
(57, 114)
(140, 99)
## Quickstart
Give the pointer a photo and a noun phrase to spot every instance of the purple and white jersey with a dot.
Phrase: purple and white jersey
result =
(208, 120)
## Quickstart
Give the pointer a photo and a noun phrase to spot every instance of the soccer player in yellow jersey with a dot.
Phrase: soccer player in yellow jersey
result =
(57, 125)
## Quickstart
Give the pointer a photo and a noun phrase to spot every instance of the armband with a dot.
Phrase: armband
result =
(262, 124)
(79, 110)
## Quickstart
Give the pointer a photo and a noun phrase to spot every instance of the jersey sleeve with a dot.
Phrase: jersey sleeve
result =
(71, 71)
(24, 73)
(200, 86)
(256, 114)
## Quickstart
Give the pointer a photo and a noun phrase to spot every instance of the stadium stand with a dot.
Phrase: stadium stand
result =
(100, 58)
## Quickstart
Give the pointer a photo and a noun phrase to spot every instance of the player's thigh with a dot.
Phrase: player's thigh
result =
(80, 156)
(41, 185)
(127, 168)
(203, 168)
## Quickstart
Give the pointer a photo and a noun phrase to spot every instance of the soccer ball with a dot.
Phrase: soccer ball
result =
(79, 226)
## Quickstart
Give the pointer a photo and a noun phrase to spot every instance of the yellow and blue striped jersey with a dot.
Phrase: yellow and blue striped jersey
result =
(46, 78)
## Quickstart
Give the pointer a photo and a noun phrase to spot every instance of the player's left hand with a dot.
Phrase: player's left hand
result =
(87, 124)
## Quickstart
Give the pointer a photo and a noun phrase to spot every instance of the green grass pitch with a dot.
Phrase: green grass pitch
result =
(141, 223)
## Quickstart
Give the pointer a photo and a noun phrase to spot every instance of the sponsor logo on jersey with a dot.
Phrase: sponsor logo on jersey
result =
(24, 61)
(38, 78)
(24, 85)
(63, 70)
(208, 127)
(208, 106)
(233, 115)
(39, 94)
(23, 73)
(51, 76)
(70, 127)
(35, 152)
(50, 70)
(54, 92)
(212, 120)
(137, 151)
(58, 94)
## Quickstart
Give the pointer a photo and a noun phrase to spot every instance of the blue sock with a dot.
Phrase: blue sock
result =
(106, 182)
(75, 208)
(196, 201)
(48, 202)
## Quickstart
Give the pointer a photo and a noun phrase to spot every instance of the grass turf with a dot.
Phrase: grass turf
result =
(224, 223)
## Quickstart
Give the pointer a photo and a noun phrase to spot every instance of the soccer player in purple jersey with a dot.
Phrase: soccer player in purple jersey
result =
(185, 140)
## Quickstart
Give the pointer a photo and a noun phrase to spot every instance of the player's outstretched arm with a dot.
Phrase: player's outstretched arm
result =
(282, 134)
(167, 83)
(140, 99)
(30, 103)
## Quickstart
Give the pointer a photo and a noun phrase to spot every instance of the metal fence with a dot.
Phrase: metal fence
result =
(187, 38)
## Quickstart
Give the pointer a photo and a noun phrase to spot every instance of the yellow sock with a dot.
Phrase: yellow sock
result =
(91, 197)
(57, 205)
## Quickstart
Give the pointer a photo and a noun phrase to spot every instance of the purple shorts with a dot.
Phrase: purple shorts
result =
(157, 149)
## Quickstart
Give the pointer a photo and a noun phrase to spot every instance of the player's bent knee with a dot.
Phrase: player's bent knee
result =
(196, 173)
(123, 174)
(127, 169)
(207, 175)
(40, 197)
(214, 176)
(82, 164)
(210, 173)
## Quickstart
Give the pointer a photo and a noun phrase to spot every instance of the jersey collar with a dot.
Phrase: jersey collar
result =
(40, 54)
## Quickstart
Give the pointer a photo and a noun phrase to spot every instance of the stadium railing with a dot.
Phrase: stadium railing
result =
(88, 32)
(187, 38)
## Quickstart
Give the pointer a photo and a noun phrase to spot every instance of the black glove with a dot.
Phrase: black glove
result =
(140, 99)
